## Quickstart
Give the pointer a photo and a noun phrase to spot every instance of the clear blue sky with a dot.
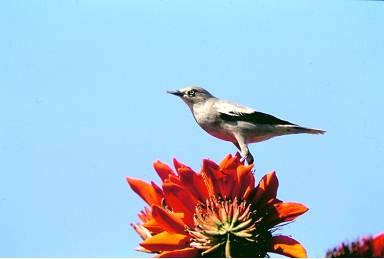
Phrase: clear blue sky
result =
(83, 105)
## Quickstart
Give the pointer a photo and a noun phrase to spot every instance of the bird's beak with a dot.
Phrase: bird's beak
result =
(175, 92)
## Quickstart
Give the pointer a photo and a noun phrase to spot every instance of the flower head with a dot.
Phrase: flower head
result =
(218, 212)
(364, 247)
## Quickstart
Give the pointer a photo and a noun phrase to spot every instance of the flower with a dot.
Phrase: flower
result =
(219, 212)
(365, 247)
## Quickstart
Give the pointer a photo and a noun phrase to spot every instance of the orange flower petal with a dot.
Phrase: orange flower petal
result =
(153, 226)
(179, 199)
(163, 170)
(229, 168)
(194, 183)
(223, 164)
(169, 221)
(267, 188)
(226, 185)
(165, 242)
(230, 162)
(210, 173)
(245, 179)
(248, 193)
(378, 245)
(285, 211)
(145, 190)
(180, 253)
(157, 189)
(172, 179)
(287, 246)
(179, 165)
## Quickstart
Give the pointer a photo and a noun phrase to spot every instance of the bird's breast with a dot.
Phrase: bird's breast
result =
(211, 122)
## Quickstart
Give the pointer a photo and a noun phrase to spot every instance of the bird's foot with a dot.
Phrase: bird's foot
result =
(247, 157)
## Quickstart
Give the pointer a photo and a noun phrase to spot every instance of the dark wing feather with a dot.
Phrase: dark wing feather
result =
(254, 117)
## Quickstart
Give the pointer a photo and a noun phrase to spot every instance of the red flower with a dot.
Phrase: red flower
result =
(365, 247)
(218, 212)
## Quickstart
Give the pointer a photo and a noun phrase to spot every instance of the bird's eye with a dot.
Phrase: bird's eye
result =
(191, 93)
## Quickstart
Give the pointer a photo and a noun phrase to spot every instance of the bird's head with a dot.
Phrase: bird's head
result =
(192, 95)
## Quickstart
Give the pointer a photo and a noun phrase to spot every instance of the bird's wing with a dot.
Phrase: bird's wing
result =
(234, 112)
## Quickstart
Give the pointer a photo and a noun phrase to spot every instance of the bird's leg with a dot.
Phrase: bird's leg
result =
(237, 145)
(249, 158)
(245, 154)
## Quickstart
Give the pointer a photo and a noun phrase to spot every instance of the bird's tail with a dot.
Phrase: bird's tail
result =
(309, 131)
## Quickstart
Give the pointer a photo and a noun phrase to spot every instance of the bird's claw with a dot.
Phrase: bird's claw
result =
(247, 157)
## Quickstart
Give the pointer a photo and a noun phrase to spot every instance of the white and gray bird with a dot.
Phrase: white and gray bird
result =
(235, 123)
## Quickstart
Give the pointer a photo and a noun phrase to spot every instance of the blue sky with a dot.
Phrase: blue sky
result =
(83, 105)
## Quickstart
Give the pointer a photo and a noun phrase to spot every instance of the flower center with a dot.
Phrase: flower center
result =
(225, 227)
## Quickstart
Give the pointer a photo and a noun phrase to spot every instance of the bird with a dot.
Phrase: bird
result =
(235, 123)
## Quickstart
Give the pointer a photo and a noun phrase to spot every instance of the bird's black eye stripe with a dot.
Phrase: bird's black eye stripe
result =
(191, 93)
